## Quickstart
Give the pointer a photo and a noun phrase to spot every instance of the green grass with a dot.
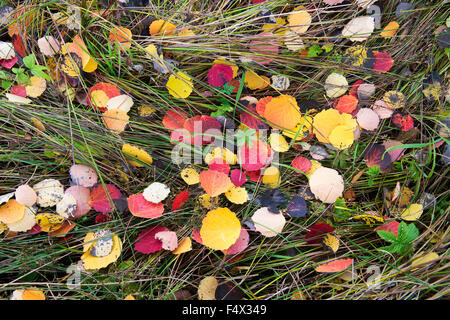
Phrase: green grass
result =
(270, 268)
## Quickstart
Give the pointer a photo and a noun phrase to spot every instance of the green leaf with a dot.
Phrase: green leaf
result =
(3, 75)
(40, 74)
(341, 211)
(411, 232)
(29, 61)
(387, 235)
(373, 171)
(6, 84)
(17, 70)
(393, 248)
(125, 265)
(23, 79)
(314, 51)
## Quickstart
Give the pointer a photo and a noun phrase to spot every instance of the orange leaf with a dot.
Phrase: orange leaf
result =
(214, 182)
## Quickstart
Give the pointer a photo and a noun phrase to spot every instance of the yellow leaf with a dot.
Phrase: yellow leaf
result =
(237, 195)
(37, 87)
(342, 137)
(425, 259)
(207, 288)
(413, 212)
(278, 142)
(49, 222)
(185, 245)
(271, 177)
(207, 201)
(299, 21)
(91, 262)
(253, 81)
(220, 229)
(331, 242)
(179, 85)
(190, 176)
(137, 153)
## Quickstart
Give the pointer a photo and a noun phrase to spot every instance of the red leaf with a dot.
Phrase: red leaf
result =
(315, 231)
(99, 200)
(146, 241)
(261, 105)
(174, 119)
(354, 90)
(202, 129)
(249, 118)
(19, 91)
(8, 64)
(142, 208)
(403, 121)
(19, 45)
(196, 236)
(254, 176)
(255, 157)
(35, 229)
(383, 62)
(102, 218)
(218, 164)
(219, 74)
(376, 155)
(347, 104)
(391, 227)
(335, 266)
(238, 177)
(179, 200)
(301, 163)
